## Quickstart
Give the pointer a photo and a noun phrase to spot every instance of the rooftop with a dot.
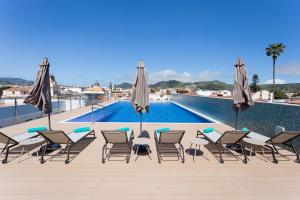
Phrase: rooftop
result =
(85, 177)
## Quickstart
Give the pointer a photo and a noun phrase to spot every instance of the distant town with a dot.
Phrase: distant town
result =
(15, 88)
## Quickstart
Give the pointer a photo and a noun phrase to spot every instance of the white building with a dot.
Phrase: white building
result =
(70, 89)
(54, 88)
(263, 95)
(205, 92)
(16, 91)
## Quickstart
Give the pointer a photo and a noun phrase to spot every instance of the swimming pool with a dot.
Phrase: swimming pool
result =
(160, 112)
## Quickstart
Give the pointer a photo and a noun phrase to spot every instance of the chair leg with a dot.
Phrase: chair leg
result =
(21, 154)
(244, 152)
(220, 152)
(273, 154)
(103, 153)
(182, 149)
(296, 152)
(68, 156)
(157, 151)
(7, 152)
(44, 153)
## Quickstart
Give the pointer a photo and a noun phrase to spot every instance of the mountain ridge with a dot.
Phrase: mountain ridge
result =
(212, 85)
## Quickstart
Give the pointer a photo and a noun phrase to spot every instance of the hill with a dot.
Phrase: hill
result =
(288, 87)
(212, 85)
(15, 81)
(206, 85)
(124, 86)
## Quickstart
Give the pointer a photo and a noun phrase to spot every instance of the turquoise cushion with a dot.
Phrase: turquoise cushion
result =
(162, 130)
(208, 130)
(81, 129)
(123, 129)
(35, 129)
(245, 129)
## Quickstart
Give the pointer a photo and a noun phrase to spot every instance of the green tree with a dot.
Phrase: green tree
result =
(110, 86)
(275, 50)
(278, 94)
(254, 85)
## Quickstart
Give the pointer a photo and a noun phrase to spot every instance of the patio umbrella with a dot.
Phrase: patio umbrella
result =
(40, 95)
(242, 98)
(140, 93)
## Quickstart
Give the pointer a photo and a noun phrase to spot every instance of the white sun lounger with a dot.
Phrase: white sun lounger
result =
(60, 137)
(14, 141)
(120, 141)
(228, 137)
(281, 137)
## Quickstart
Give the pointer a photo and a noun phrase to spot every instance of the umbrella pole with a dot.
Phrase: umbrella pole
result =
(141, 121)
(49, 121)
(236, 118)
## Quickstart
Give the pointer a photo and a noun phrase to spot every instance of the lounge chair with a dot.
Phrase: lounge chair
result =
(14, 141)
(60, 137)
(227, 138)
(281, 137)
(166, 142)
(120, 142)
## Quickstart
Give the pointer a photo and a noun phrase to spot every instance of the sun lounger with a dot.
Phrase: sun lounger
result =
(13, 141)
(228, 137)
(281, 137)
(60, 137)
(166, 142)
(120, 142)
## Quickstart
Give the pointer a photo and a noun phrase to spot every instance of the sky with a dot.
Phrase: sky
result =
(88, 41)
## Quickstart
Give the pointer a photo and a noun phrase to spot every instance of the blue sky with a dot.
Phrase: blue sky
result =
(184, 40)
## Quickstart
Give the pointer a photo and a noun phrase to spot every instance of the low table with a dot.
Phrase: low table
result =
(29, 142)
(198, 142)
(142, 142)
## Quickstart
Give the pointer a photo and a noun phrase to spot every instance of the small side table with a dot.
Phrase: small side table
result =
(29, 142)
(198, 142)
(142, 142)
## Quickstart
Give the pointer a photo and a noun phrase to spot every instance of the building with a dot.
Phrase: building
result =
(54, 88)
(16, 92)
(262, 95)
(95, 93)
(71, 89)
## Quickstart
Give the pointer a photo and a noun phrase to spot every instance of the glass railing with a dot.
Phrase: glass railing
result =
(262, 117)
(14, 111)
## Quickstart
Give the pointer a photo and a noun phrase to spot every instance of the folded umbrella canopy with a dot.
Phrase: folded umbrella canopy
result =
(242, 98)
(40, 95)
(140, 93)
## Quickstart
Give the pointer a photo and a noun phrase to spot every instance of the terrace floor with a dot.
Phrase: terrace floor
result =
(85, 177)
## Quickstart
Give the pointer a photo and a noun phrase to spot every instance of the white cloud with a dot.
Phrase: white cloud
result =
(277, 81)
(169, 74)
(208, 75)
(292, 70)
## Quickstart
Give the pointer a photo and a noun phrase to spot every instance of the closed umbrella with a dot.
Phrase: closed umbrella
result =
(40, 95)
(140, 93)
(242, 98)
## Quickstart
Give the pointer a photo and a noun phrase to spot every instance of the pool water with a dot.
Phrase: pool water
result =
(159, 112)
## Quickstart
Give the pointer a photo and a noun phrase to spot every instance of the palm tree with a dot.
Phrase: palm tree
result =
(275, 50)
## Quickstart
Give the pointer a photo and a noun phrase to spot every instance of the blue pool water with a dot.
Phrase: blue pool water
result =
(160, 112)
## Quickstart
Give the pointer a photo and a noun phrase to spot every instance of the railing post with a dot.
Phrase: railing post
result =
(79, 101)
(16, 111)
(58, 104)
(70, 102)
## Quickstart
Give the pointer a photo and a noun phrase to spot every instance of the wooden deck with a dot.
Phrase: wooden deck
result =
(87, 178)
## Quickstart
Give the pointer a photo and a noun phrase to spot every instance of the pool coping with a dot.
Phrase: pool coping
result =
(212, 121)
